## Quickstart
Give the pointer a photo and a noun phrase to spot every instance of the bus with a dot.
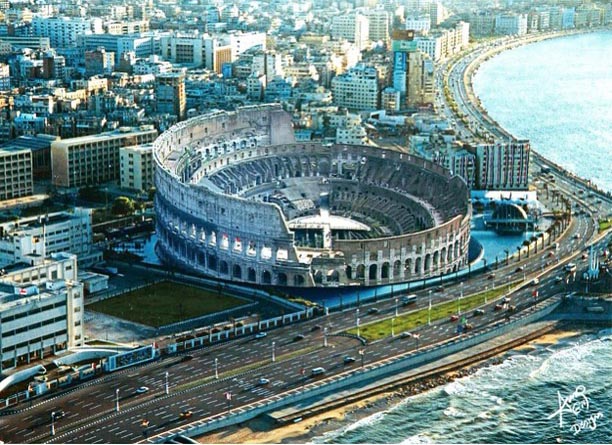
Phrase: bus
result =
(409, 299)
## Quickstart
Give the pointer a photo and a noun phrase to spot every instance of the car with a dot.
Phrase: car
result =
(468, 327)
(479, 312)
(348, 359)
(551, 254)
(454, 317)
(59, 414)
(535, 282)
(584, 256)
(520, 269)
(261, 335)
(317, 371)
(577, 236)
(373, 310)
(186, 358)
(558, 279)
(406, 334)
(315, 327)
(144, 423)
(263, 381)
(299, 337)
(491, 276)
(142, 390)
(185, 414)
(512, 309)
(505, 300)
(498, 307)
(440, 289)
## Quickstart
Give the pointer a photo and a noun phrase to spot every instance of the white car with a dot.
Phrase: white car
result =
(261, 334)
(263, 381)
(142, 390)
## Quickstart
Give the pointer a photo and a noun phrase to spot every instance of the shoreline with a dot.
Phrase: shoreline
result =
(472, 68)
(264, 431)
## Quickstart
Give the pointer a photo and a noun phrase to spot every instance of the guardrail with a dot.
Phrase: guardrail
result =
(355, 377)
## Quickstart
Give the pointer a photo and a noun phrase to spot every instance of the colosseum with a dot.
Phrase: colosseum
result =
(239, 199)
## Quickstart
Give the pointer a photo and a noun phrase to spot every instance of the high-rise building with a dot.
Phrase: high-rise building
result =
(41, 310)
(502, 165)
(353, 27)
(170, 95)
(15, 172)
(93, 160)
(63, 31)
(99, 61)
(511, 24)
(378, 24)
(136, 167)
(413, 71)
(357, 89)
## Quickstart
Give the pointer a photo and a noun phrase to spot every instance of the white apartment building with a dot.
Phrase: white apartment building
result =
(511, 24)
(136, 167)
(420, 24)
(378, 24)
(63, 31)
(357, 89)
(41, 310)
(92, 160)
(16, 178)
(5, 77)
(353, 27)
(502, 166)
(40, 236)
(185, 49)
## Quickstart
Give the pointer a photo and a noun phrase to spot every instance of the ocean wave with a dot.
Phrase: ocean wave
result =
(454, 388)
(451, 411)
(417, 438)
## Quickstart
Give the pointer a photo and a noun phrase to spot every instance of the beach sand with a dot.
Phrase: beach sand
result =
(261, 430)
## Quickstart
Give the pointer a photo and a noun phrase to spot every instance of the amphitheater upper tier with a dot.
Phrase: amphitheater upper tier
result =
(238, 198)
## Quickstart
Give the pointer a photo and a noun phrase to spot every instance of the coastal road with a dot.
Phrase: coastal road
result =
(90, 411)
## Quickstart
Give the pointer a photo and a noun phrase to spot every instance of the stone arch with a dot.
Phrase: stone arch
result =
(372, 275)
(427, 262)
(417, 265)
(408, 266)
(443, 255)
(282, 279)
(384, 271)
(212, 261)
(266, 277)
(436, 258)
(397, 266)
(251, 275)
(349, 272)
(318, 277)
(360, 271)
(237, 271)
(333, 276)
(223, 267)
(298, 280)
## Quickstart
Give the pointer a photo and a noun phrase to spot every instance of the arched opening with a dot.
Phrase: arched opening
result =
(349, 272)
(397, 266)
(282, 279)
(318, 277)
(361, 272)
(333, 276)
(251, 275)
(373, 271)
(223, 267)
(237, 271)
(298, 280)
(408, 266)
(417, 266)
(443, 255)
(212, 262)
(427, 262)
(384, 272)
(266, 277)
(436, 257)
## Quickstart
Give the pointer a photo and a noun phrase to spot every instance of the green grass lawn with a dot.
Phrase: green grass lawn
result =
(605, 224)
(165, 303)
(380, 329)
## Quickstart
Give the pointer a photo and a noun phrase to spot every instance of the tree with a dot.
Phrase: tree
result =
(123, 206)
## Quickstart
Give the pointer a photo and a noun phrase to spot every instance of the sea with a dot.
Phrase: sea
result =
(558, 94)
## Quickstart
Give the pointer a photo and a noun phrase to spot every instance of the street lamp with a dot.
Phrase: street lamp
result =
(396, 313)
(53, 422)
(362, 354)
(460, 297)
(167, 387)
(325, 337)
(429, 310)
(358, 328)
(216, 368)
(273, 351)
(117, 400)
(393, 327)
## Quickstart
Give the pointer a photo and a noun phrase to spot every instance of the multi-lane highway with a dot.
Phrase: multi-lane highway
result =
(90, 414)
